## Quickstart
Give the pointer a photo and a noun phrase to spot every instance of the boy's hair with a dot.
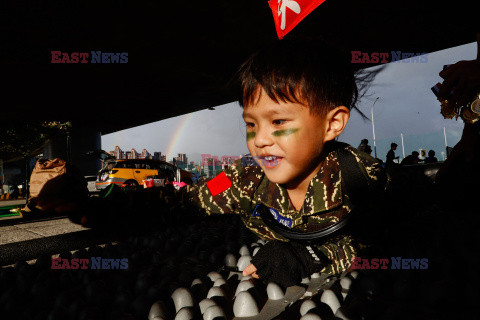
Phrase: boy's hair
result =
(393, 145)
(300, 71)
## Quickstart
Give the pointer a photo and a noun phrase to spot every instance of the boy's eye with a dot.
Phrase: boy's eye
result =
(278, 122)
(249, 125)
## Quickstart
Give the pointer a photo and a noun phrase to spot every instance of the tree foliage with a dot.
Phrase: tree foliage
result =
(27, 138)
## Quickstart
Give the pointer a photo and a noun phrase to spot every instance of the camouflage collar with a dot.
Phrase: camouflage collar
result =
(324, 192)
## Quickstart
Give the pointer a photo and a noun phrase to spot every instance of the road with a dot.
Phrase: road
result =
(6, 203)
(22, 231)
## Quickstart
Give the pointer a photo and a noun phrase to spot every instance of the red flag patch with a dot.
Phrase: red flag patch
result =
(288, 13)
(219, 184)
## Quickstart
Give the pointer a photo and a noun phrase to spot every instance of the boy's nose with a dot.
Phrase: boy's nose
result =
(263, 138)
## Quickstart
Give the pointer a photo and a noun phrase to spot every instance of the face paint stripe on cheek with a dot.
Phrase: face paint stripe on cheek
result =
(250, 135)
(285, 132)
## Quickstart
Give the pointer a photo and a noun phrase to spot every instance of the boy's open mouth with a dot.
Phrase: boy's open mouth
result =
(270, 161)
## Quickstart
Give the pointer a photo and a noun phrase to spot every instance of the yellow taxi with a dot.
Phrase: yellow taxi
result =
(132, 172)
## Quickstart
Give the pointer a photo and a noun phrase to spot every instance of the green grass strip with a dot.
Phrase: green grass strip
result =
(9, 215)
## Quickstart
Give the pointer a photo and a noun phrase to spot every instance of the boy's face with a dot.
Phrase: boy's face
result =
(285, 140)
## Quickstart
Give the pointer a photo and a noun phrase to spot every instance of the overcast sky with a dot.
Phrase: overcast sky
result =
(406, 105)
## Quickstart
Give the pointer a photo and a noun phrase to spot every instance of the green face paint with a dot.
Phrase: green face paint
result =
(250, 135)
(285, 132)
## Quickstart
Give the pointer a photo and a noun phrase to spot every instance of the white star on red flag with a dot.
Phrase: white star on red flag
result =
(288, 13)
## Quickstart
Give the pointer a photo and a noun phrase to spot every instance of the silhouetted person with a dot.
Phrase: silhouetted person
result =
(368, 150)
(364, 145)
(411, 159)
(391, 154)
(431, 157)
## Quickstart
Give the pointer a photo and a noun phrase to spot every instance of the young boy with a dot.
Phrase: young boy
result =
(297, 96)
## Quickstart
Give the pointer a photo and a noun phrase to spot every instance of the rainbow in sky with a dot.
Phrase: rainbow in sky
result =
(177, 135)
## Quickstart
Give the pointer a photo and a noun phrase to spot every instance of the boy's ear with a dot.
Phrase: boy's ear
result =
(336, 120)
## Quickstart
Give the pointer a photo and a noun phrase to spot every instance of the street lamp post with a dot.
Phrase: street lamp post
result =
(403, 146)
(373, 129)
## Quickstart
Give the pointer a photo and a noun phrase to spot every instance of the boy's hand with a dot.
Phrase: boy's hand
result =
(251, 270)
(285, 263)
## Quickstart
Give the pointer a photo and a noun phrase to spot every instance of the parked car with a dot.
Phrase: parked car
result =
(91, 180)
(132, 172)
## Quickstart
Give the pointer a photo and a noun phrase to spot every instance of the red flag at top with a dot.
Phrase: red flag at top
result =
(288, 13)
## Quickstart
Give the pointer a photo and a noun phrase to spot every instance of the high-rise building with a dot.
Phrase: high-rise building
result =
(118, 153)
(145, 154)
(181, 161)
(205, 158)
(182, 157)
(210, 165)
(133, 154)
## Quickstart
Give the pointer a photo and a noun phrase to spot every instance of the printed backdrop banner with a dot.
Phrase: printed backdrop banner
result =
(288, 13)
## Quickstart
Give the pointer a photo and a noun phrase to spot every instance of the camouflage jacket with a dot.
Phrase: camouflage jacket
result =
(243, 187)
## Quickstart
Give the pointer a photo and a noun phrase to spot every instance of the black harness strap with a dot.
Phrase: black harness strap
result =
(356, 186)
(356, 183)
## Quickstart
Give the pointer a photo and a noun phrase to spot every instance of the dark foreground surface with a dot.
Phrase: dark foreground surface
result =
(165, 254)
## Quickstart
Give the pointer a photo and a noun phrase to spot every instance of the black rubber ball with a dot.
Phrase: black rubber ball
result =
(141, 307)
(91, 313)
